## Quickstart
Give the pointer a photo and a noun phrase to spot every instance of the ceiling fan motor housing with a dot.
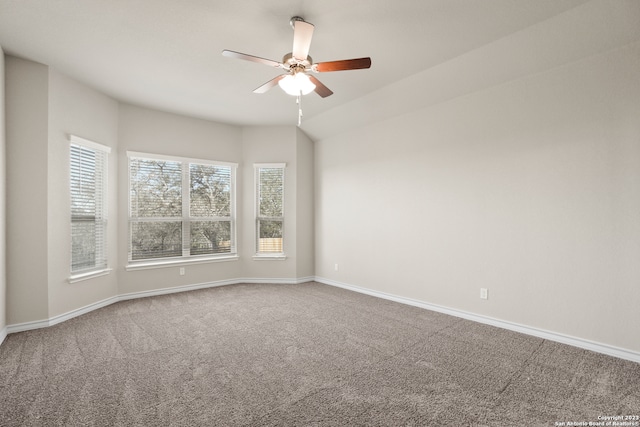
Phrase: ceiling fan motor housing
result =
(292, 62)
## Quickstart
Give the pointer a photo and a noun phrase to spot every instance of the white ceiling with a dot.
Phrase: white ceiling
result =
(167, 54)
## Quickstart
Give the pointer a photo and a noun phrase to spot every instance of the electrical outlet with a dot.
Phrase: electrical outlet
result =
(336, 267)
(484, 293)
(182, 271)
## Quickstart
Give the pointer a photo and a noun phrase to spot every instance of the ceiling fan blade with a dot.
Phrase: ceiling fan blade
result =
(320, 89)
(302, 33)
(271, 83)
(238, 55)
(342, 65)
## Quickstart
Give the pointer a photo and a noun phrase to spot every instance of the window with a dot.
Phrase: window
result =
(270, 209)
(88, 185)
(180, 208)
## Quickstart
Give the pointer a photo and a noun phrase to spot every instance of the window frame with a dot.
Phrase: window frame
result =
(185, 258)
(101, 266)
(258, 255)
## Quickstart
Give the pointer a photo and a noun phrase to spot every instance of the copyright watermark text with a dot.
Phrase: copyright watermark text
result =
(604, 421)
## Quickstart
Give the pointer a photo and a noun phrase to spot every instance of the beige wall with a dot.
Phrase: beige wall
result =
(268, 144)
(26, 166)
(280, 144)
(156, 132)
(3, 207)
(305, 261)
(79, 110)
(530, 189)
(43, 108)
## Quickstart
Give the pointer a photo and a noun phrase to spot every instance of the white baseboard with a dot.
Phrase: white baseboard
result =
(83, 310)
(173, 290)
(26, 326)
(528, 330)
(297, 281)
(37, 324)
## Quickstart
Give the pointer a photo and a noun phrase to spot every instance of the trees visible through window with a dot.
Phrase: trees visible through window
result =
(88, 187)
(270, 208)
(180, 207)
(210, 204)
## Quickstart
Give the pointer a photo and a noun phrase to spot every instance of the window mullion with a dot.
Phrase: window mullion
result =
(186, 206)
(155, 219)
(101, 209)
(271, 218)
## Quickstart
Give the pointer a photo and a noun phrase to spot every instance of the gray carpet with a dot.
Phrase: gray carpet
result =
(299, 355)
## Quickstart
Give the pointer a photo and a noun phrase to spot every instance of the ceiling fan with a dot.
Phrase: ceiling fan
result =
(298, 65)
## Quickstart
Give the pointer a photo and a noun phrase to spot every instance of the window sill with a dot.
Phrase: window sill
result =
(146, 265)
(90, 275)
(265, 257)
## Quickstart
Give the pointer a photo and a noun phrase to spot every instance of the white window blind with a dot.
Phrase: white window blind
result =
(210, 209)
(180, 208)
(88, 185)
(270, 208)
(156, 208)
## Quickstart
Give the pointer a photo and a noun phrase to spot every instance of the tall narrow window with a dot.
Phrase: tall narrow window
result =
(88, 179)
(270, 209)
(180, 208)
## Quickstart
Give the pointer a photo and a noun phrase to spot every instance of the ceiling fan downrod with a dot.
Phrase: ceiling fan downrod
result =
(293, 21)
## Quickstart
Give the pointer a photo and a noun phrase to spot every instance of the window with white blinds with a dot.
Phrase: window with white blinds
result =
(270, 208)
(180, 208)
(88, 185)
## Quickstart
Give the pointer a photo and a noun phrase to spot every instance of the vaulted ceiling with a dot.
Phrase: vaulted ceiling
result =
(167, 54)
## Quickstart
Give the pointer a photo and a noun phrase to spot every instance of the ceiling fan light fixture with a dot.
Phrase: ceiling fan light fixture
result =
(296, 84)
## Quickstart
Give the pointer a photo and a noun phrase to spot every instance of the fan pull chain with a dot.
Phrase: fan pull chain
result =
(299, 102)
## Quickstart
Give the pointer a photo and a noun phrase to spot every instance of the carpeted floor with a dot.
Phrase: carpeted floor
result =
(299, 355)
